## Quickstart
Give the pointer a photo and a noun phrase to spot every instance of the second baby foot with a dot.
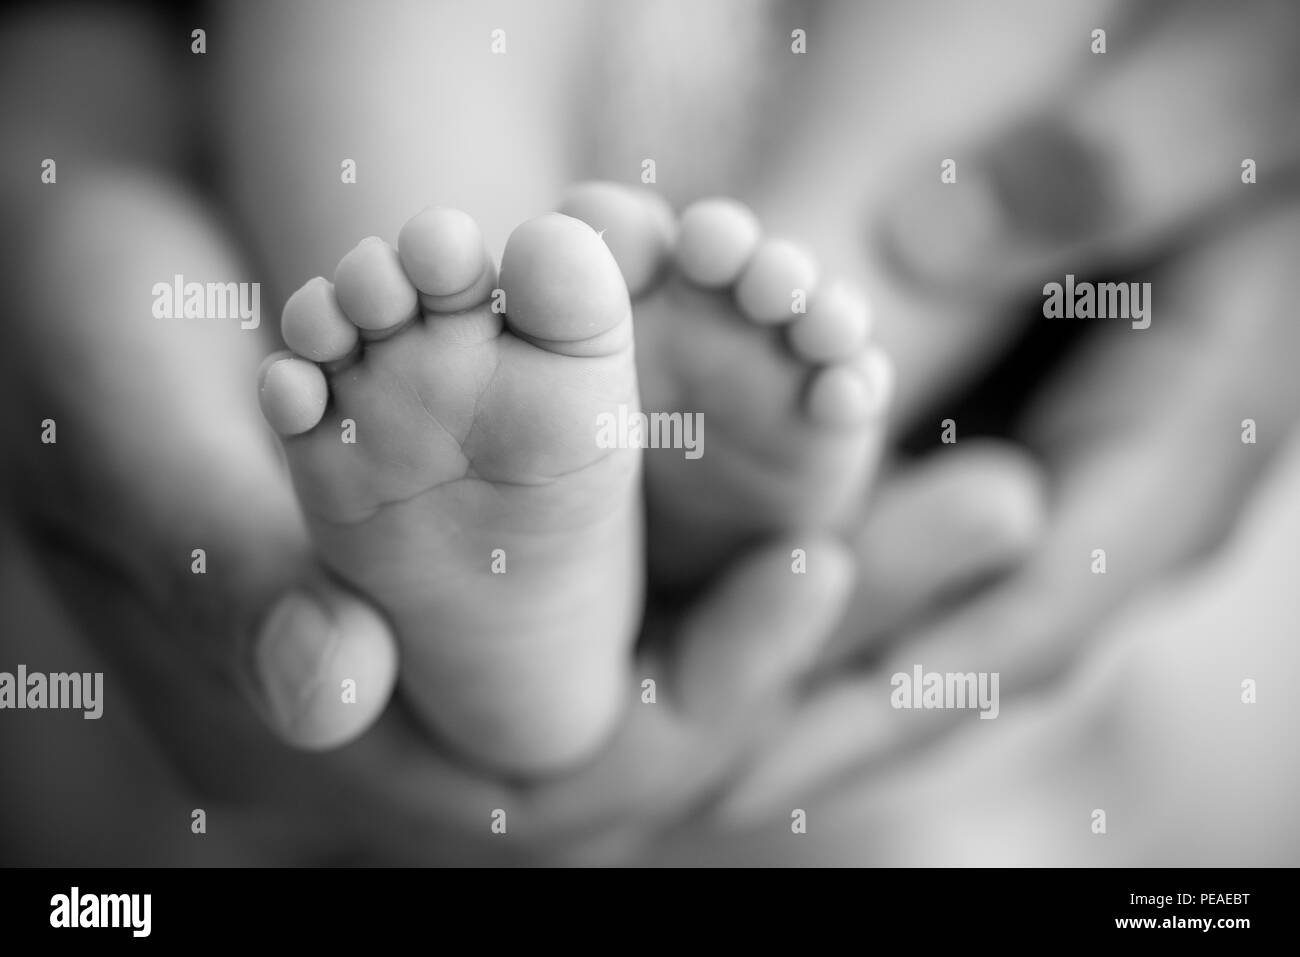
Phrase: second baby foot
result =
(440, 432)
(779, 366)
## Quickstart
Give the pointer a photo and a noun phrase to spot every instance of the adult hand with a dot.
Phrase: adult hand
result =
(1150, 453)
(1133, 170)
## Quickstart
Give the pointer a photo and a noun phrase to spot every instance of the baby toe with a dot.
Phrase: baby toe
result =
(372, 289)
(293, 393)
(715, 240)
(314, 326)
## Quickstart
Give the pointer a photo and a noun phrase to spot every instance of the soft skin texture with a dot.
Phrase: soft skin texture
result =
(779, 366)
(475, 506)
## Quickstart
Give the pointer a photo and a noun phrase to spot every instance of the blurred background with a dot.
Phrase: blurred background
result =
(1105, 140)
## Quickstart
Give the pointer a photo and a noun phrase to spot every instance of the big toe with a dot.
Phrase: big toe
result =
(636, 224)
(563, 289)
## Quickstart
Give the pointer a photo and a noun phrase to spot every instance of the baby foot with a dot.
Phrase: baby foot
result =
(445, 457)
(739, 329)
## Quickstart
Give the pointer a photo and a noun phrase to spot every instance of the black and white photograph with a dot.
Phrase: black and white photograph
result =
(651, 433)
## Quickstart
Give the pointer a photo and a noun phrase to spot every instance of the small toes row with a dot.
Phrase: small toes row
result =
(716, 244)
(774, 282)
(441, 263)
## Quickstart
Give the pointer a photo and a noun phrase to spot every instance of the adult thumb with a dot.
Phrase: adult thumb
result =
(1186, 111)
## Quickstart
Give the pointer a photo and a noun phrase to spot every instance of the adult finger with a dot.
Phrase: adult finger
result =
(958, 517)
(1152, 465)
(156, 461)
(1147, 140)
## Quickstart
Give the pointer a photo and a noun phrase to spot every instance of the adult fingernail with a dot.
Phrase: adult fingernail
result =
(293, 652)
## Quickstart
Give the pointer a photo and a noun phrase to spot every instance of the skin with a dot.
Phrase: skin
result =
(218, 625)
(143, 479)
(476, 434)
(812, 377)
(1140, 430)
